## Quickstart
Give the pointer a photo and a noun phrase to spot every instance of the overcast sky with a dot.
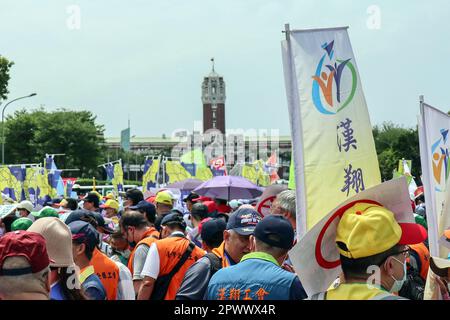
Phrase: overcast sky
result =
(147, 59)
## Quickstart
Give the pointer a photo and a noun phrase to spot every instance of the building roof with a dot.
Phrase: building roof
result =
(176, 139)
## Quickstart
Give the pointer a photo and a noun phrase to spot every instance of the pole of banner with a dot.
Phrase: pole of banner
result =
(297, 139)
(157, 172)
(164, 170)
(426, 179)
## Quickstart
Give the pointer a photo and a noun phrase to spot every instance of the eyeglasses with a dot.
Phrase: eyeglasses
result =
(406, 252)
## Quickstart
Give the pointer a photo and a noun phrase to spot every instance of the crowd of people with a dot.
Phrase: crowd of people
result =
(99, 248)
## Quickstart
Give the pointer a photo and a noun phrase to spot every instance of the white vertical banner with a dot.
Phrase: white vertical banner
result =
(434, 129)
(333, 146)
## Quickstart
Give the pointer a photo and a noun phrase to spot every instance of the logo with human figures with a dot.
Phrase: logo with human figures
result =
(440, 157)
(334, 83)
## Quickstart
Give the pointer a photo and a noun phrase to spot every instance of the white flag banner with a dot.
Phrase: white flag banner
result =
(316, 257)
(330, 126)
(434, 129)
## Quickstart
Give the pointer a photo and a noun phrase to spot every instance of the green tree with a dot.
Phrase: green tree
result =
(30, 135)
(393, 143)
(5, 66)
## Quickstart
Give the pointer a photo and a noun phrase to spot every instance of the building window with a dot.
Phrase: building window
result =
(214, 114)
(214, 124)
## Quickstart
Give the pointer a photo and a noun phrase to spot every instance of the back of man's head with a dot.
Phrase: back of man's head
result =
(18, 287)
(72, 204)
(135, 195)
(274, 235)
(24, 265)
(199, 211)
(133, 219)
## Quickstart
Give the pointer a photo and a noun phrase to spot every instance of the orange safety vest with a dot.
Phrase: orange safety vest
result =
(424, 256)
(170, 251)
(107, 271)
(220, 252)
(150, 236)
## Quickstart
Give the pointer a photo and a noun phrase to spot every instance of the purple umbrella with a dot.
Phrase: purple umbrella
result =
(187, 184)
(228, 188)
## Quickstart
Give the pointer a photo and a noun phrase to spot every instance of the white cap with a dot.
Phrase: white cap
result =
(27, 205)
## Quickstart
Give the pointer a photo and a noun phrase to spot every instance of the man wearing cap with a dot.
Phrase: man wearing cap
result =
(198, 213)
(189, 200)
(147, 209)
(140, 234)
(91, 202)
(7, 218)
(197, 277)
(132, 198)
(115, 277)
(164, 204)
(62, 267)
(84, 242)
(111, 208)
(236, 243)
(368, 237)
(25, 208)
(164, 256)
(259, 275)
(24, 267)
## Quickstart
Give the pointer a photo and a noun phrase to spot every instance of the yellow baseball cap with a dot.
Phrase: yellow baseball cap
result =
(367, 228)
(110, 204)
(110, 195)
(164, 197)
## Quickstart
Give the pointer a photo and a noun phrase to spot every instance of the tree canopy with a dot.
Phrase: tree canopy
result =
(5, 66)
(393, 143)
(29, 135)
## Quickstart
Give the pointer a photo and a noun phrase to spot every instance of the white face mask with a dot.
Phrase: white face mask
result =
(399, 283)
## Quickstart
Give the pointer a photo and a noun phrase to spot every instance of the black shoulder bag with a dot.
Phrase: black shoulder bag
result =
(162, 283)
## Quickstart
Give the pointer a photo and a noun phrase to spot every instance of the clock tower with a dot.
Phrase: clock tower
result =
(213, 99)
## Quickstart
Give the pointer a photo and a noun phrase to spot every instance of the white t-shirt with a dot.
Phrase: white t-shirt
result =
(151, 265)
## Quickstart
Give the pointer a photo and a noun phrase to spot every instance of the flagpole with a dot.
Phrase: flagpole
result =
(426, 181)
(297, 136)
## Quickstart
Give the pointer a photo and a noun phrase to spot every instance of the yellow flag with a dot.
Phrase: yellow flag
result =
(176, 172)
(204, 174)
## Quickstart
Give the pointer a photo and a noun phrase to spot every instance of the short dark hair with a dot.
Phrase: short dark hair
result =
(133, 219)
(135, 195)
(199, 211)
(358, 267)
(8, 221)
(72, 204)
(92, 197)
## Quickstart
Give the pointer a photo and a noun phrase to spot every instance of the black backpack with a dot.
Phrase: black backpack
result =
(216, 262)
(162, 282)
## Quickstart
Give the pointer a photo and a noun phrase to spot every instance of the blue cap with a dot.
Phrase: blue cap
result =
(78, 215)
(213, 230)
(147, 207)
(83, 232)
(101, 222)
(276, 231)
(174, 218)
(243, 221)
